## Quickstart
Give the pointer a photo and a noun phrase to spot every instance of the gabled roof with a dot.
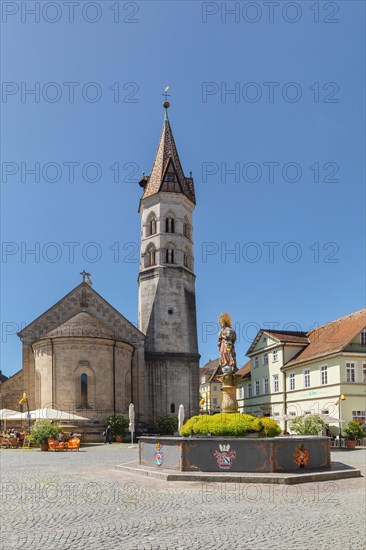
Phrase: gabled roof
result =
(331, 338)
(3, 378)
(283, 336)
(81, 324)
(167, 162)
(244, 371)
(83, 297)
(211, 369)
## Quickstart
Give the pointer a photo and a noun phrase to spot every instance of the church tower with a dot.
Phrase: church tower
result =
(167, 302)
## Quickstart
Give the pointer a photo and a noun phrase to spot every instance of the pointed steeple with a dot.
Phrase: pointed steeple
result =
(167, 174)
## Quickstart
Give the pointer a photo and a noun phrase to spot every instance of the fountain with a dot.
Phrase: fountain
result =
(230, 453)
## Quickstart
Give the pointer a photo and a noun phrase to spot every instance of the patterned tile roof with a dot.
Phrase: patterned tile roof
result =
(167, 161)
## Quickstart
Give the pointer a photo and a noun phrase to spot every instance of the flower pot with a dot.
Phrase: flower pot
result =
(119, 438)
(44, 446)
(351, 443)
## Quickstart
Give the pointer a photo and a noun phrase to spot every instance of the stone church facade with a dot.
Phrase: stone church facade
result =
(83, 356)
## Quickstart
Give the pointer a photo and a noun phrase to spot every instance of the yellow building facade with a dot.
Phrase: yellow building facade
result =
(210, 388)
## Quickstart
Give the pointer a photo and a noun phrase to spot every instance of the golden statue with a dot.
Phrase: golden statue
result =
(226, 344)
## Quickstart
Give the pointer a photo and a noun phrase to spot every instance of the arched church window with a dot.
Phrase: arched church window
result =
(169, 258)
(150, 256)
(172, 408)
(84, 389)
(169, 225)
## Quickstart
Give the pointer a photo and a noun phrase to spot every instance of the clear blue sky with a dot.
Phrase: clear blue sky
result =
(312, 115)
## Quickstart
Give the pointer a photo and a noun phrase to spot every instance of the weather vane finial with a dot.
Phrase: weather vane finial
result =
(166, 103)
(165, 94)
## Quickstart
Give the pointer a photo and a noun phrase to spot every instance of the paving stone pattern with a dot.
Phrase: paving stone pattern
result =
(80, 501)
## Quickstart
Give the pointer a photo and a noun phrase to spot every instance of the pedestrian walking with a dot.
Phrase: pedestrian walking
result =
(108, 434)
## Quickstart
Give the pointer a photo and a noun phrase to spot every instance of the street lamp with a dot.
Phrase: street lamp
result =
(23, 400)
(338, 402)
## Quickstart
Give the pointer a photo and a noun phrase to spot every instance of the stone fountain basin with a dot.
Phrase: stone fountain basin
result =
(235, 454)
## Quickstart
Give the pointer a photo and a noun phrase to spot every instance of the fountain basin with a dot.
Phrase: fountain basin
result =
(235, 454)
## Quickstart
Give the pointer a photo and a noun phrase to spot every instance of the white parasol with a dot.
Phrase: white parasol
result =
(4, 415)
(131, 427)
(47, 414)
(180, 417)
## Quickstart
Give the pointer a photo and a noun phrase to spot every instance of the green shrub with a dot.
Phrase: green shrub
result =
(307, 425)
(42, 430)
(270, 428)
(118, 423)
(354, 431)
(230, 424)
(167, 425)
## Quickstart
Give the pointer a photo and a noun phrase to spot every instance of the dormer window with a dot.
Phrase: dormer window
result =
(170, 177)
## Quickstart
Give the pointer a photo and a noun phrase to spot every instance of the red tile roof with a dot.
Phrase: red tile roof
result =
(244, 370)
(295, 337)
(211, 368)
(331, 338)
(285, 336)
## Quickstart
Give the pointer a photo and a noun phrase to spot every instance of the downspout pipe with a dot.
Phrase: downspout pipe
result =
(284, 388)
(53, 373)
(114, 375)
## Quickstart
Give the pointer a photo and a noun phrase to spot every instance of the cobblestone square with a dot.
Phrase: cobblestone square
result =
(80, 501)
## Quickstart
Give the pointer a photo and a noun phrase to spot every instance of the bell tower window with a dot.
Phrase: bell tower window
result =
(150, 256)
(169, 225)
(151, 225)
(169, 257)
(186, 259)
(186, 228)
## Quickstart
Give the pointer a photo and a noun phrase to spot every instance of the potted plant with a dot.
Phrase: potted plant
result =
(119, 425)
(353, 432)
(41, 431)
